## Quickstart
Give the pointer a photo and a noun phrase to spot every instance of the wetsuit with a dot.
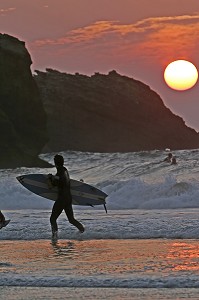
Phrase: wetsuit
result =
(64, 200)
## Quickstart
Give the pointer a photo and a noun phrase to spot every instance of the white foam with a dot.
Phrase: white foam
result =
(131, 180)
(117, 224)
(190, 281)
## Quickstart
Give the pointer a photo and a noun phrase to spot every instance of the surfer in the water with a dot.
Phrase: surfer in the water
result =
(173, 161)
(64, 200)
(169, 158)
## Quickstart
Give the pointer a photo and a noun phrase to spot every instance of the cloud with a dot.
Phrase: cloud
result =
(172, 37)
(5, 11)
(160, 38)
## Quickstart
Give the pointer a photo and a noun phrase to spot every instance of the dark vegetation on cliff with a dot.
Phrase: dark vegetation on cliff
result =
(54, 111)
(108, 113)
(22, 117)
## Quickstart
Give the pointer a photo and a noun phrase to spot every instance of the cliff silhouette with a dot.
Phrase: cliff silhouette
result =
(108, 113)
(54, 111)
(22, 117)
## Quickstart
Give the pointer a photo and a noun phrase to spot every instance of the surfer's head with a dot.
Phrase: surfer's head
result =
(59, 160)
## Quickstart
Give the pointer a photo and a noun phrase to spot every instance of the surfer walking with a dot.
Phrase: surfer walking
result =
(64, 199)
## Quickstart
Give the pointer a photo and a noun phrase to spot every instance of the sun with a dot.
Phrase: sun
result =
(181, 75)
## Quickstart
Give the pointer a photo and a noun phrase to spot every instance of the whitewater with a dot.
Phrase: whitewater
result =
(148, 239)
(139, 180)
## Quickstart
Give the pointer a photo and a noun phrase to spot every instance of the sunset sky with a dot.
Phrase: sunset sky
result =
(137, 38)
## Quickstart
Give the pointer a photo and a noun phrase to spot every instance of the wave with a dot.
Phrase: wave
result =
(128, 194)
(137, 194)
(132, 180)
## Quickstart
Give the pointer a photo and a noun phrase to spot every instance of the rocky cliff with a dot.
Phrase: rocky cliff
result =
(22, 117)
(55, 111)
(108, 113)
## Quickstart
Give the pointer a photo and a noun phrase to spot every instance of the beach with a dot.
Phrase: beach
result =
(145, 247)
(100, 269)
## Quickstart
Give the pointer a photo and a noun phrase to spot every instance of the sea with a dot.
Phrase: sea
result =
(145, 247)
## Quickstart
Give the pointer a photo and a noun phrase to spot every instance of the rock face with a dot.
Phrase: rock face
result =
(108, 113)
(55, 111)
(22, 117)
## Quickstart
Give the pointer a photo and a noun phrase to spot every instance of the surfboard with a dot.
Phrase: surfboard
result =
(4, 224)
(82, 193)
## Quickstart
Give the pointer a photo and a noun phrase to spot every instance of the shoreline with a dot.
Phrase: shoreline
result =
(100, 269)
(29, 293)
(112, 263)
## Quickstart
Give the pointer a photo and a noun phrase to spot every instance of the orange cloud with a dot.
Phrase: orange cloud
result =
(160, 37)
(173, 38)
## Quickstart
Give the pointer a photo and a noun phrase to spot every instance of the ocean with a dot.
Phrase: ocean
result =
(145, 247)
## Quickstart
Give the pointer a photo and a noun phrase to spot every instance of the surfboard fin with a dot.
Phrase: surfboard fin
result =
(105, 208)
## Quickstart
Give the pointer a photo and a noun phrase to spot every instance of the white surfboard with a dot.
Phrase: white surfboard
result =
(82, 193)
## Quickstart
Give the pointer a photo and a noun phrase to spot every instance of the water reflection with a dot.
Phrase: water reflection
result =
(100, 258)
(184, 256)
(64, 249)
(94, 257)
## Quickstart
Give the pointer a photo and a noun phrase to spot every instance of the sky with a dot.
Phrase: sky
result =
(137, 38)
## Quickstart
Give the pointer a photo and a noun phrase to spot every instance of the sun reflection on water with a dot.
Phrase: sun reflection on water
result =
(184, 256)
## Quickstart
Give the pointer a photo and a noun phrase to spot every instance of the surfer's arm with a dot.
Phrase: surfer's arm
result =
(54, 179)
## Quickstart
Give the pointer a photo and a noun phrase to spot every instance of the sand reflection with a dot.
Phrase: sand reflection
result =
(95, 256)
(118, 258)
(64, 249)
(184, 256)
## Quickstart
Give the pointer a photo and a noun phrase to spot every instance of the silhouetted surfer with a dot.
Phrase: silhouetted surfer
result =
(173, 161)
(169, 158)
(64, 200)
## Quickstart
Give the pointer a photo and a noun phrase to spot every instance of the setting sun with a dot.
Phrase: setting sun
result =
(181, 75)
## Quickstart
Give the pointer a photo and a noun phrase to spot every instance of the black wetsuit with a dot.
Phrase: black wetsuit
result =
(64, 200)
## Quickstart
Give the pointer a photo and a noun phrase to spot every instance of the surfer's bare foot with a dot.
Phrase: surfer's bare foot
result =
(82, 229)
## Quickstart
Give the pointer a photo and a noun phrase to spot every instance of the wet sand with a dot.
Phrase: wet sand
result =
(30, 293)
(100, 269)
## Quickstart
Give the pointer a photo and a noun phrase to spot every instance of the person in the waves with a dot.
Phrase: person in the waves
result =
(174, 161)
(169, 158)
